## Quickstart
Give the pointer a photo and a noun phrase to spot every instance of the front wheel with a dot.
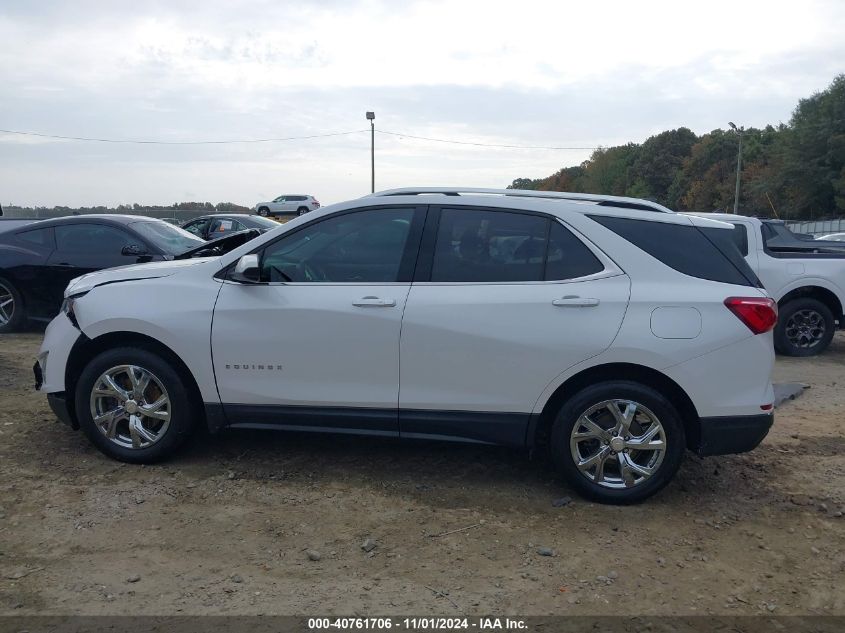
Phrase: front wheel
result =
(264, 212)
(805, 328)
(618, 442)
(133, 406)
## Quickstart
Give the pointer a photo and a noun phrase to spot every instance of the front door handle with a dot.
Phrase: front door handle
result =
(574, 301)
(374, 302)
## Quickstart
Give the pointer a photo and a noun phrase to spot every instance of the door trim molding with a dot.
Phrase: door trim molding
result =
(482, 427)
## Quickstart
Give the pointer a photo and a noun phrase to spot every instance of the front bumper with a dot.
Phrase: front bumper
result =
(59, 404)
(732, 434)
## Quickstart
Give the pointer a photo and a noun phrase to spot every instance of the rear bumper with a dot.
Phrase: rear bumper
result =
(732, 434)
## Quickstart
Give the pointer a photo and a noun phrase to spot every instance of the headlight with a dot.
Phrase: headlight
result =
(68, 306)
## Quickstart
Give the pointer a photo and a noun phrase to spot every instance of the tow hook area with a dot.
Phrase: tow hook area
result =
(39, 377)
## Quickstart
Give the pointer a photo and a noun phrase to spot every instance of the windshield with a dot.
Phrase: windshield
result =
(264, 223)
(171, 239)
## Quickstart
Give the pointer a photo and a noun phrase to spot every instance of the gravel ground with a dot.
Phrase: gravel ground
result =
(271, 523)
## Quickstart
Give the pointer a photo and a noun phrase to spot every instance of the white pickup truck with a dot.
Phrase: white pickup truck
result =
(806, 279)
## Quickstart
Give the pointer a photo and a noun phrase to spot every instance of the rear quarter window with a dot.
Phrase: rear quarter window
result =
(710, 253)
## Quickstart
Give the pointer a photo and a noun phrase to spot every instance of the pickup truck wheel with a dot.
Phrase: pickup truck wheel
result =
(132, 405)
(805, 327)
(618, 442)
(11, 307)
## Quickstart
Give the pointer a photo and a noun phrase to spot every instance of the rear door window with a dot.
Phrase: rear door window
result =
(492, 246)
(489, 246)
(220, 226)
(569, 257)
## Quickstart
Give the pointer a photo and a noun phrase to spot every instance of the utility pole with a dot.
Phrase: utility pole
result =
(739, 131)
(371, 116)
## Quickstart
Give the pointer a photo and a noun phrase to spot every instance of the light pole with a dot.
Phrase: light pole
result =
(371, 117)
(739, 131)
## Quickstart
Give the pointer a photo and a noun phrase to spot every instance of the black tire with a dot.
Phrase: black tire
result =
(18, 310)
(263, 211)
(181, 412)
(795, 314)
(302, 210)
(655, 403)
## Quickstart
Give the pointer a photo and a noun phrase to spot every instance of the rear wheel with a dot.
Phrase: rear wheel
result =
(302, 210)
(618, 442)
(12, 312)
(132, 405)
(805, 327)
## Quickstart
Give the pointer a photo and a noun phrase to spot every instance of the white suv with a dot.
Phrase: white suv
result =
(288, 204)
(606, 329)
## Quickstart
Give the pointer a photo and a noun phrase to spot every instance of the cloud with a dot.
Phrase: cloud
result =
(538, 73)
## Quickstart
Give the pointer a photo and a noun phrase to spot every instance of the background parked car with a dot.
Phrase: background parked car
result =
(288, 204)
(779, 237)
(7, 224)
(210, 227)
(806, 278)
(38, 260)
(833, 237)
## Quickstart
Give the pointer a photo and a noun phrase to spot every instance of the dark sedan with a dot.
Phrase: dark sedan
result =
(211, 227)
(38, 260)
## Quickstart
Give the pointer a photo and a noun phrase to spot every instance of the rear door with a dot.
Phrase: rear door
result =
(502, 303)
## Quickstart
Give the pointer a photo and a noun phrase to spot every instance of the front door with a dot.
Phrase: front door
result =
(85, 247)
(316, 344)
(510, 302)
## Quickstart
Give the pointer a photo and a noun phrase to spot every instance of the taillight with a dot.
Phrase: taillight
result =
(759, 313)
(316, 203)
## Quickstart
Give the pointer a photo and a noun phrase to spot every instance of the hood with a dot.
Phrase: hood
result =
(151, 270)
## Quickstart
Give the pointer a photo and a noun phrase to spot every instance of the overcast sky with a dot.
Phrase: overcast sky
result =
(560, 73)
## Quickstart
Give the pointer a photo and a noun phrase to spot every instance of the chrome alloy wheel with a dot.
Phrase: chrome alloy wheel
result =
(805, 328)
(7, 305)
(130, 406)
(618, 443)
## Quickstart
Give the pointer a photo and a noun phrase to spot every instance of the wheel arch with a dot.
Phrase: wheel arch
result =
(826, 296)
(539, 429)
(85, 349)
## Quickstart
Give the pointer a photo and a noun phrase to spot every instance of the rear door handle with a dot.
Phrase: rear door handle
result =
(573, 301)
(374, 302)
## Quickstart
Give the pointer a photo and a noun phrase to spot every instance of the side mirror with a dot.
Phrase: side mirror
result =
(134, 250)
(247, 270)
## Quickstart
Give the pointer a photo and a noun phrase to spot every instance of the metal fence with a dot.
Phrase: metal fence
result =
(818, 227)
(182, 215)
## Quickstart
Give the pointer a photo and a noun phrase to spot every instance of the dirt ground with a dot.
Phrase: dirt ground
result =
(225, 528)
